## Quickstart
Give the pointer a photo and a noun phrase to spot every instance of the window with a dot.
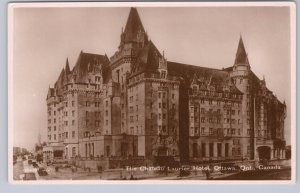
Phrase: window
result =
(203, 149)
(66, 135)
(87, 103)
(73, 122)
(211, 149)
(202, 119)
(73, 113)
(164, 105)
(211, 131)
(106, 103)
(73, 103)
(73, 134)
(164, 128)
(106, 113)
(219, 148)
(164, 116)
(202, 130)
(54, 136)
(202, 110)
(106, 122)
(210, 101)
(73, 151)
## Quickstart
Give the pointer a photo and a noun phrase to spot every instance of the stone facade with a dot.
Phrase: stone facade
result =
(139, 104)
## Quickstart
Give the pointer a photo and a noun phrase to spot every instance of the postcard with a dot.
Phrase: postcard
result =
(151, 93)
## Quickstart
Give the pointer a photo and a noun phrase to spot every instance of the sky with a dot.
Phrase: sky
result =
(43, 38)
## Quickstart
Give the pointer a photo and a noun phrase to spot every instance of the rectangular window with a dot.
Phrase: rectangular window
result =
(66, 135)
(211, 131)
(211, 149)
(226, 149)
(73, 151)
(202, 119)
(73, 122)
(202, 130)
(219, 147)
(73, 103)
(73, 134)
(203, 150)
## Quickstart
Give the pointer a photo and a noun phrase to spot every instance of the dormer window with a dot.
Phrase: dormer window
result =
(195, 88)
(163, 74)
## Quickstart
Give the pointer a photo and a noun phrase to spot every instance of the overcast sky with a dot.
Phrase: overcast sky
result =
(45, 37)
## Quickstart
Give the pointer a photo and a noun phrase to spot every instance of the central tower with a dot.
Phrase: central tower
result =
(133, 38)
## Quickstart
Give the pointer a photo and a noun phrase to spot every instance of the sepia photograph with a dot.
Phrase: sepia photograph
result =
(151, 92)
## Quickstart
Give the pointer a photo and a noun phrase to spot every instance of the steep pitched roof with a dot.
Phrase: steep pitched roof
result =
(208, 76)
(241, 55)
(147, 59)
(133, 26)
(88, 62)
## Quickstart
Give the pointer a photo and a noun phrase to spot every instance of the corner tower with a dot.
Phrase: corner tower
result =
(240, 75)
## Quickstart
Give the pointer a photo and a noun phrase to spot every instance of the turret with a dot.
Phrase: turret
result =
(134, 34)
(241, 65)
(162, 66)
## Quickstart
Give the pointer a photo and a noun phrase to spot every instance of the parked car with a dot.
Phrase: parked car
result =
(29, 176)
(42, 172)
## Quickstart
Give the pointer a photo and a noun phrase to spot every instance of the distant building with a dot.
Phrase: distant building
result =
(138, 104)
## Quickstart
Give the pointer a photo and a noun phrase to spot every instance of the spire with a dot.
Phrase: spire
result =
(241, 55)
(67, 68)
(133, 26)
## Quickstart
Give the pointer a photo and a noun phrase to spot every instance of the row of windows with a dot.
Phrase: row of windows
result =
(63, 135)
(96, 123)
(213, 93)
(97, 104)
(131, 98)
(212, 131)
(210, 150)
